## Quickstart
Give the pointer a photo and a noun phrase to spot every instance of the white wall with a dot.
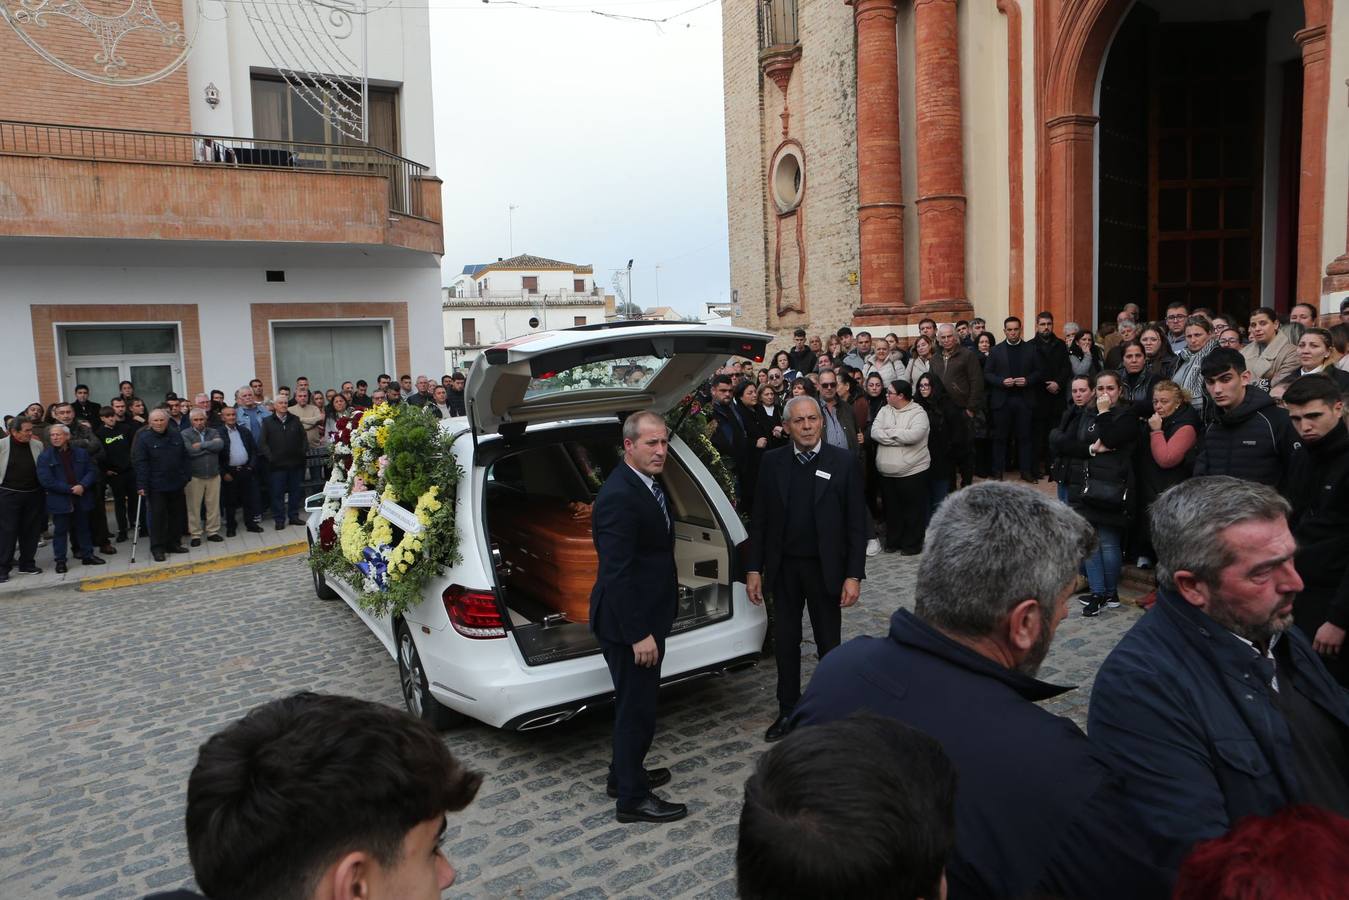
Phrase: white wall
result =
(222, 297)
(496, 324)
(399, 53)
(551, 281)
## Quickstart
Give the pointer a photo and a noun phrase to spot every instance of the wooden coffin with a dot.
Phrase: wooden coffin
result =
(547, 552)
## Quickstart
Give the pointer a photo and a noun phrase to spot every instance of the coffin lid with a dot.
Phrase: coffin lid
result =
(598, 370)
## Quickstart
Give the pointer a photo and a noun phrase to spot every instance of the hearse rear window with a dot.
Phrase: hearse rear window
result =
(631, 373)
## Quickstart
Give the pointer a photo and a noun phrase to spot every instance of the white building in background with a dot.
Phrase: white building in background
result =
(214, 225)
(488, 303)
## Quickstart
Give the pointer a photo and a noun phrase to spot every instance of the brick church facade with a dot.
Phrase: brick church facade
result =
(889, 160)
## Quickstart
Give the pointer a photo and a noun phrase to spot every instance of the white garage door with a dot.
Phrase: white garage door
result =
(329, 354)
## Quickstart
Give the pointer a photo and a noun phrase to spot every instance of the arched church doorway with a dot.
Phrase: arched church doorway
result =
(1198, 91)
(1198, 150)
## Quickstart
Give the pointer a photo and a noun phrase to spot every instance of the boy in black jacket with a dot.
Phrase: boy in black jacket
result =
(1318, 488)
(1251, 438)
(115, 466)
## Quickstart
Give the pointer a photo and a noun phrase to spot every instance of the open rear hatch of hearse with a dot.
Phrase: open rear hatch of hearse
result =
(540, 485)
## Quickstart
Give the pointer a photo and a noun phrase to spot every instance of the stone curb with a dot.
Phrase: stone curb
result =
(170, 572)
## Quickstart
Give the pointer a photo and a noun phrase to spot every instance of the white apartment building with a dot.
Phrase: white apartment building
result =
(488, 303)
(218, 222)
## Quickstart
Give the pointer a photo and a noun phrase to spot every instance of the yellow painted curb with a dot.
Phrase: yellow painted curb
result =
(217, 564)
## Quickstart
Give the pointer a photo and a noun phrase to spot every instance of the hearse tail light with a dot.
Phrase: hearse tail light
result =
(474, 614)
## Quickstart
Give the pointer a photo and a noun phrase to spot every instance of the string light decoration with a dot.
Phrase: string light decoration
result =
(106, 63)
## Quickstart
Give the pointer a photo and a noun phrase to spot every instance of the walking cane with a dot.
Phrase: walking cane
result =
(136, 533)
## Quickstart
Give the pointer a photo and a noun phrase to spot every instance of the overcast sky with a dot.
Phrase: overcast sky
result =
(606, 134)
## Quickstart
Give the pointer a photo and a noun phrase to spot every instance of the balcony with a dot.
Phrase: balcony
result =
(65, 181)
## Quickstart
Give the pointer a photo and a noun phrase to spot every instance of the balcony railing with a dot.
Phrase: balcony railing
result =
(777, 24)
(79, 142)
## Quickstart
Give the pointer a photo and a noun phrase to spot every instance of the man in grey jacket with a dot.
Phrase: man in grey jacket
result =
(203, 458)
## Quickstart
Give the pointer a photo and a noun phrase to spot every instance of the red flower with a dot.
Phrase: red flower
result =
(327, 534)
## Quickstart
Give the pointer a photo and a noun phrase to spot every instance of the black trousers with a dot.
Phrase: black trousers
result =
(1013, 418)
(636, 690)
(98, 516)
(1310, 610)
(799, 587)
(1048, 411)
(240, 492)
(21, 516)
(906, 507)
(123, 485)
(168, 513)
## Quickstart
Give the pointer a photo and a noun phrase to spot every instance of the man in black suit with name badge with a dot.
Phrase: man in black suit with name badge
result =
(808, 539)
(632, 609)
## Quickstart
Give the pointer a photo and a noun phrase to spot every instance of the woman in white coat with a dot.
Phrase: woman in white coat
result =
(900, 432)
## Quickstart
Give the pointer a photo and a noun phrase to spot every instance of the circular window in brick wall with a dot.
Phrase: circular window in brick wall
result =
(788, 179)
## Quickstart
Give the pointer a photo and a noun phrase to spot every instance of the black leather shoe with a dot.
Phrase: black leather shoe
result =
(60, 567)
(30, 570)
(196, 542)
(298, 521)
(214, 538)
(121, 537)
(108, 550)
(654, 778)
(93, 561)
(280, 526)
(230, 532)
(158, 555)
(256, 529)
(179, 549)
(653, 809)
(778, 730)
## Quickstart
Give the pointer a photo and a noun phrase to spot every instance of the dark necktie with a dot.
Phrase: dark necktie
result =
(806, 457)
(660, 498)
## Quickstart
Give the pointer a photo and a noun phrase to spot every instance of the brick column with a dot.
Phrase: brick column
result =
(941, 166)
(880, 196)
(1311, 187)
(1070, 152)
(1337, 274)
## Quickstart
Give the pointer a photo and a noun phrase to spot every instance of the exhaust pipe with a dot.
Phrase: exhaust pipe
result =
(553, 718)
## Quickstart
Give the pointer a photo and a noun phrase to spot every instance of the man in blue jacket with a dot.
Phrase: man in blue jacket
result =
(161, 474)
(1212, 706)
(67, 474)
(1037, 813)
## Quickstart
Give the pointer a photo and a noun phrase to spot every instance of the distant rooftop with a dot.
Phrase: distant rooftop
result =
(526, 262)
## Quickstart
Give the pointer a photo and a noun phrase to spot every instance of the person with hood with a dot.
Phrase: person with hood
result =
(900, 430)
(1250, 437)
(68, 475)
(1270, 355)
(1318, 488)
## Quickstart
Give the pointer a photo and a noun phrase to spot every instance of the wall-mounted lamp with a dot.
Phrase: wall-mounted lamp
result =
(212, 95)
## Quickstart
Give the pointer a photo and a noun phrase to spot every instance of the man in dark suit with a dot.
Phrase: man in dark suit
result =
(1056, 374)
(632, 609)
(808, 540)
(1013, 379)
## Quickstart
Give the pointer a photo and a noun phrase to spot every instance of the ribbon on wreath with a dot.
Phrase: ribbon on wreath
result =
(375, 565)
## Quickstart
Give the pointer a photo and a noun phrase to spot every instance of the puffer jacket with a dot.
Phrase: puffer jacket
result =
(1253, 441)
(1070, 454)
(901, 438)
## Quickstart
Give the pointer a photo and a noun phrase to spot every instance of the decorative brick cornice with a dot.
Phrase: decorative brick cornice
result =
(778, 62)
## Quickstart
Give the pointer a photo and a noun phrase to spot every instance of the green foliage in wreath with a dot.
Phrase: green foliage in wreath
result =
(692, 423)
(412, 463)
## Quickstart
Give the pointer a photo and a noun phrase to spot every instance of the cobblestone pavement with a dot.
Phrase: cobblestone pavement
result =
(108, 695)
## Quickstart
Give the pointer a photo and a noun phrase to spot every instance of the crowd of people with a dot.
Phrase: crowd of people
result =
(1113, 419)
(175, 468)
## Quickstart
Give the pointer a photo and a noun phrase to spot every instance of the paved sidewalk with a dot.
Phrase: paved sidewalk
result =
(242, 549)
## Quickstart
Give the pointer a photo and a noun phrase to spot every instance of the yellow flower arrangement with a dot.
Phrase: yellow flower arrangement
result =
(352, 537)
(409, 549)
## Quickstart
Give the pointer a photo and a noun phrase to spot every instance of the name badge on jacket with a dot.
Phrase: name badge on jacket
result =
(821, 473)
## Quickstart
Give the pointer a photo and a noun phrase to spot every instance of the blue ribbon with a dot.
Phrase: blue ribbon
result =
(376, 565)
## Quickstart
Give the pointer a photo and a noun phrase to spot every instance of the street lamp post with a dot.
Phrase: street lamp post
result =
(631, 301)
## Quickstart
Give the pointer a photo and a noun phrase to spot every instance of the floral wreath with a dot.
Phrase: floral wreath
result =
(383, 528)
(691, 421)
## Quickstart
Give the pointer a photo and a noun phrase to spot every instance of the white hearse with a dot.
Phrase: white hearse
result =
(501, 636)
